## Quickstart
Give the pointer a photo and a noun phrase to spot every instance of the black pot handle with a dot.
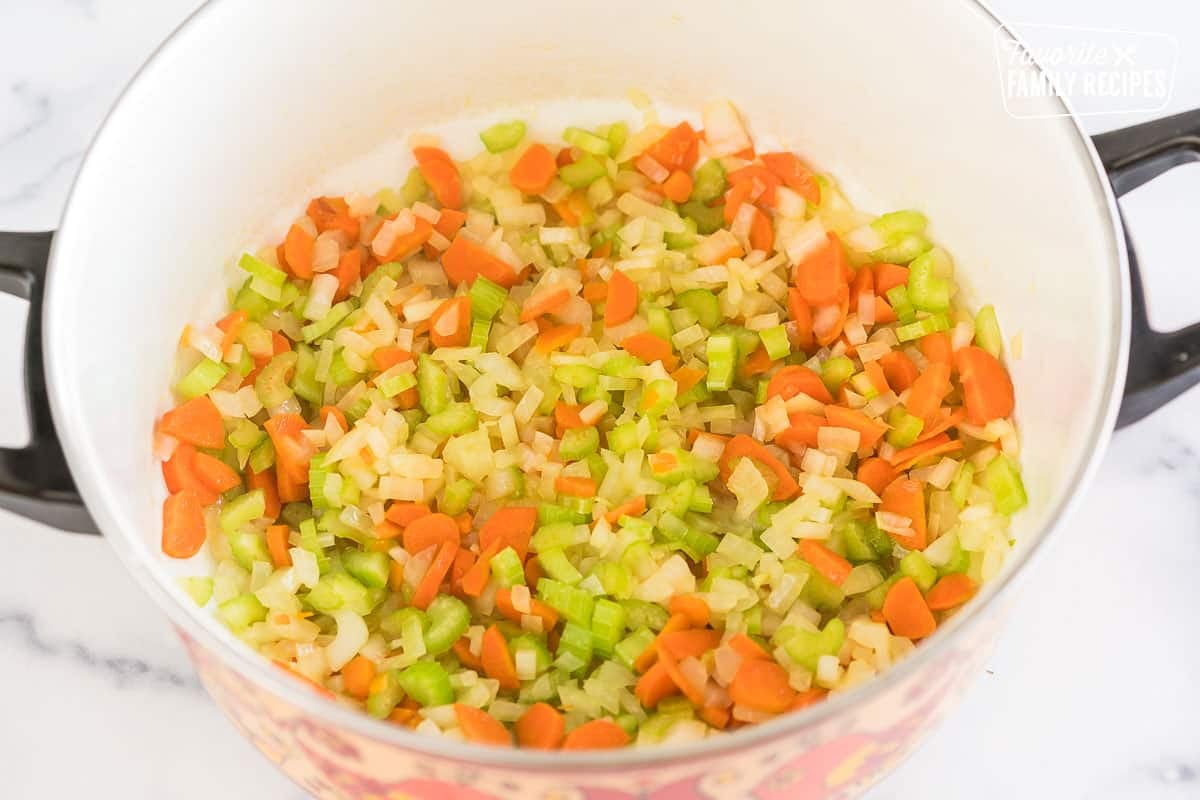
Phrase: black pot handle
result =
(1162, 364)
(35, 481)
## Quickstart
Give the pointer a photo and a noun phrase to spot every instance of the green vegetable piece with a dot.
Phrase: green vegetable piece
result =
(242, 510)
(433, 387)
(899, 223)
(905, 427)
(426, 682)
(456, 497)
(337, 314)
(199, 588)
(683, 240)
(903, 250)
(454, 419)
(503, 136)
(927, 291)
(577, 375)
(775, 342)
(915, 566)
(556, 564)
(836, 371)
(1002, 478)
(573, 603)
(242, 611)
(642, 614)
(618, 134)
(577, 443)
(987, 331)
(708, 220)
(658, 319)
(339, 590)
(415, 188)
(271, 385)
(368, 568)
(576, 640)
(587, 141)
(248, 546)
(487, 298)
(507, 568)
(387, 695)
(582, 173)
(449, 619)
(628, 649)
(709, 182)
(722, 358)
(304, 376)
(608, 625)
(960, 487)
(704, 304)
(807, 647)
(201, 379)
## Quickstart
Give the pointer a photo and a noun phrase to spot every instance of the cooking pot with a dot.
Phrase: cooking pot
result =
(244, 109)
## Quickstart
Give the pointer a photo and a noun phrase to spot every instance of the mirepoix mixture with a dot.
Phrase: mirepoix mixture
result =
(627, 438)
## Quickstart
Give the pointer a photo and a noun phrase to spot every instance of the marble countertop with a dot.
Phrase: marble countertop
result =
(1092, 691)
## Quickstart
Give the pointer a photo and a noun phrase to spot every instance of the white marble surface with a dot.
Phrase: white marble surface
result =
(1092, 692)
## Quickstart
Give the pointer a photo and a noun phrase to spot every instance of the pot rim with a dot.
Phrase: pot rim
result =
(86, 467)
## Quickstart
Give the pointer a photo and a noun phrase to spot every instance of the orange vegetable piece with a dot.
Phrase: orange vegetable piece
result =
(795, 379)
(404, 514)
(497, 660)
(439, 172)
(622, 300)
(905, 610)
(938, 445)
(543, 303)
(692, 607)
(926, 393)
(231, 325)
(870, 430)
(480, 727)
(760, 179)
(427, 589)
(688, 642)
(428, 531)
(215, 473)
(906, 497)
(265, 480)
(803, 433)
(449, 221)
(877, 377)
(575, 486)
(801, 314)
(462, 650)
(292, 453)
(678, 149)
(826, 562)
(875, 473)
(349, 269)
(936, 347)
(654, 685)
(950, 591)
(762, 232)
(537, 608)
(475, 579)
(534, 171)
(763, 686)
(357, 676)
(677, 622)
(566, 416)
(987, 387)
(277, 545)
(823, 274)
(743, 446)
(808, 697)
(842, 308)
(889, 276)
(899, 370)
(197, 422)
(541, 727)
(746, 647)
(715, 716)
(758, 363)
(183, 530)
(599, 734)
(678, 187)
(458, 311)
(333, 214)
(512, 526)
(794, 173)
(465, 260)
(557, 337)
(298, 252)
(650, 348)
(178, 475)
(671, 665)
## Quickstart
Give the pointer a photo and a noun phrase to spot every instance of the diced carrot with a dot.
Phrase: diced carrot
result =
(941, 421)
(950, 591)
(215, 473)
(692, 607)
(450, 325)
(650, 348)
(905, 610)
(927, 391)
(762, 232)
(449, 222)
(395, 576)
(801, 314)
(566, 416)
(349, 269)
(595, 292)
(743, 446)
(537, 608)
(906, 497)
(357, 676)
(685, 378)
(830, 320)
(823, 273)
(231, 325)
(512, 526)
(794, 173)
(427, 589)
(462, 651)
(687, 642)
(735, 196)
(715, 716)
(826, 562)
(758, 363)
(662, 462)
(987, 386)
(481, 727)
(678, 149)
(763, 183)
(883, 312)
(575, 486)
(497, 660)
(183, 531)
(541, 727)
(265, 480)
(870, 430)
(899, 370)
(197, 422)
(405, 244)
(428, 531)
(677, 622)
(622, 300)
(671, 665)
(332, 214)
(877, 377)
(804, 432)
(599, 734)
(678, 187)
(630, 508)
(476, 578)
(298, 251)
(795, 379)
(464, 559)
(557, 337)
(543, 303)
(534, 171)
(746, 647)
(938, 445)
(178, 475)
(293, 451)
(654, 685)
(404, 514)
(277, 545)
(808, 697)
(889, 276)
(439, 172)
(762, 685)
(936, 347)
(875, 473)
(465, 260)
(333, 411)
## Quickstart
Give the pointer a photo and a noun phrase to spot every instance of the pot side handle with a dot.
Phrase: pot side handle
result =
(35, 481)
(1162, 364)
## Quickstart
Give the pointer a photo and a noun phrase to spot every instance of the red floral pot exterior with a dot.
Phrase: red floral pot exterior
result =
(836, 757)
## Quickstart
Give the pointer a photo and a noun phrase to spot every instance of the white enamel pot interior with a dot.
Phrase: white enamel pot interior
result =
(242, 112)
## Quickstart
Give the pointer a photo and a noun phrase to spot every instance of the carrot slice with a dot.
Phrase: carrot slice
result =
(669, 663)
(183, 530)
(906, 612)
(265, 480)
(476, 578)
(277, 545)
(650, 348)
(746, 647)
(480, 727)
(678, 187)
(678, 149)
(429, 530)
(534, 171)
(512, 526)
(941, 422)
(889, 276)
(677, 622)
(936, 346)
(543, 303)
(826, 562)
(692, 607)
(688, 642)
(987, 386)
(630, 508)
(928, 389)
(450, 325)
(758, 363)
(762, 685)
(298, 252)
(808, 697)
(178, 475)
(215, 473)
(950, 591)
(622, 300)
(828, 321)
(197, 422)
(801, 314)
(870, 431)
(541, 727)
(655, 685)
(348, 271)
(497, 660)
(877, 377)
(796, 379)
(938, 445)
(823, 274)
(566, 416)
(715, 716)
(465, 260)
(599, 734)
(762, 232)
(404, 514)
(333, 214)
(357, 676)
(899, 370)
(557, 337)
(293, 451)
(575, 486)
(537, 608)
(427, 589)
(803, 433)
(685, 378)
(794, 173)
(906, 497)
(743, 446)
(875, 473)
(231, 325)
(762, 180)
(462, 651)
(439, 172)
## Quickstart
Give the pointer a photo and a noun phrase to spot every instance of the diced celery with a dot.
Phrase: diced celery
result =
(573, 603)
(262, 271)
(576, 375)
(960, 487)
(556, 535)
(709, 182)
(615, 579)
(241, 510)
(396, 384)
(304, 376)
(254, 304)
(722, 356)
(701, 501)
(394, 624)
(864, 541)
(621, 365)
(199, 588)
(551, 513)
(339, 590)
(554, 562)
(698, 544)
(582, 173)
(687, 467)
(481, 330)
(503, 136)
(820, 592)
(876, 596)
(456, 496)
(623, 438)
(449, 619)
(426, 682)
(618, 134)
(487, 298)
(271, 385)
(775, 342)
(927, 291)
(507, 568)
(905, 427)
(806, 647)
(987, 331)
(386, 694)
(248, 546)
(433, 386)
(317, 474)
(340, 373)
(904, 249)
(898, 223)
(708, 219)
(453, 420)
(577, 443)
(628, 649)
(315, 330)
(1003, 480)
(242, 611)
(587, 141)
(541, 655)
(683, 239)
(704, 304)
(368, 568)
(658, 320)
(922, 327)
(915, 566)
(201, 379)
(641, 614)
(901, 304)
(608, 625)
(836, 371)
(415, 188)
